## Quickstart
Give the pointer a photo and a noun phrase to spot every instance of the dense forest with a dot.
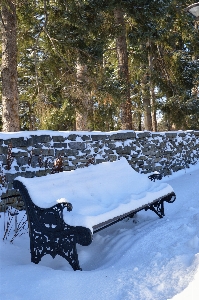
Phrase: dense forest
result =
(100, 65)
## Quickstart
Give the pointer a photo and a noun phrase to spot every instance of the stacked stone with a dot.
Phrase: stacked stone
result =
(146, 152)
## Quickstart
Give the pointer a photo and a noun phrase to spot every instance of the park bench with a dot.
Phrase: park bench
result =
(67, 208)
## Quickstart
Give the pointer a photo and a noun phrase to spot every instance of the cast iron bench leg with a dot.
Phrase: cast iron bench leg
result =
(158, 208)
(65, 246)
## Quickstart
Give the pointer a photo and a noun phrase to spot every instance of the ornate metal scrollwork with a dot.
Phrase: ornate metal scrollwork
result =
(48, 232)
(170, 198)
(155, 176)
(158, 208)
(158, 205)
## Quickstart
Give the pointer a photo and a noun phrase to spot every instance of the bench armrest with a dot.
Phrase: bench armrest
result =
(155, 176)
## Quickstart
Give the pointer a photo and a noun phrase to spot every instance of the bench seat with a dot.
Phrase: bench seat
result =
(84, 201)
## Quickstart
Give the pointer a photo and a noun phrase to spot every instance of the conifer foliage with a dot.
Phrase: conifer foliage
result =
(99, 65)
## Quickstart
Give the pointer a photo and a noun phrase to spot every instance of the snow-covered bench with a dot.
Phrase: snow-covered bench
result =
(67, 208)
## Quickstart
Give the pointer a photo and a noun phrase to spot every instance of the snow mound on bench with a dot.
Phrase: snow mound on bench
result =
(98, 193)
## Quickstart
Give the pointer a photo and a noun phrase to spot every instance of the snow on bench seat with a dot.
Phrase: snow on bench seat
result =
(97, 193)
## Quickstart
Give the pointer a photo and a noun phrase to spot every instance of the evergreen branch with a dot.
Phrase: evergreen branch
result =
(51, 39)
(35, 54)
(109, 49)
(85, 53)
(55, 49)
(162, 62)
(2, 20)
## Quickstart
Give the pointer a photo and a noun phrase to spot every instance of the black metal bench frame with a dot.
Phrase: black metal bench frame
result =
(49, 234)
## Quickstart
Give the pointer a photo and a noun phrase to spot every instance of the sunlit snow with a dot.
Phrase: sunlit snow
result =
(143, 258)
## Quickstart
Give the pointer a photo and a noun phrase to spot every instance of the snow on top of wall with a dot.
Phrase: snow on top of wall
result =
(28, 134)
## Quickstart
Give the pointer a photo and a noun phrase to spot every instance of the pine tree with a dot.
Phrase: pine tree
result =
(177, 69)
(10, 102)
(146, 57)
(123, 69)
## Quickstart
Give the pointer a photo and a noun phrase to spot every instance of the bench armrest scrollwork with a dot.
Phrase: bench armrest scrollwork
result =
(48, 232)
(68, 205)
(155, 176)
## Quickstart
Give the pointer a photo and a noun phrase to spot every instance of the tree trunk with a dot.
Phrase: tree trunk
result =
(146, 103)
(152, 93)
(10, 101)
(123, 71)
(195, 56)
(82, 107)
(153, 109)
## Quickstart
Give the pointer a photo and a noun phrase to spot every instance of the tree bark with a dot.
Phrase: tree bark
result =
(123, 70)
(146, 103)
(82, 108)
(10, 101)
(152, 93)
(153, 109)
(195, 89)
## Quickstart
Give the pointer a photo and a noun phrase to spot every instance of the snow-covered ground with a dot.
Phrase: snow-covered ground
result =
(137, 259)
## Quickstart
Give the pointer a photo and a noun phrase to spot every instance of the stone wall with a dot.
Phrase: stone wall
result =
(34, 153)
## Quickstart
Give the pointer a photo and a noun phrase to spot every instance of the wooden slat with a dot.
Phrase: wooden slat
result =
(110, 222)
